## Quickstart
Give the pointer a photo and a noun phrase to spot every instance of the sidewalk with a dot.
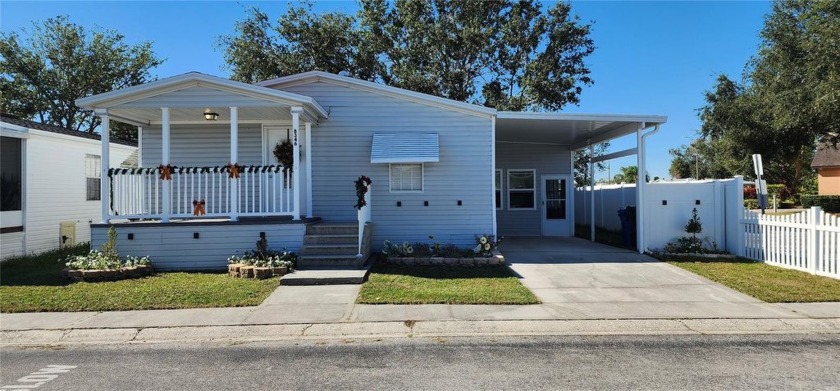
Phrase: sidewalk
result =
(325, 312)
(585, 288)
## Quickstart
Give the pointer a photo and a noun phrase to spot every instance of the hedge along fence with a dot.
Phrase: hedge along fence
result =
(828, 203)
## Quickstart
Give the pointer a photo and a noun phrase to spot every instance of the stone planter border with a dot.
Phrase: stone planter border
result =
(493, 260)
(244, 271)
(698, 255)
(108, 275)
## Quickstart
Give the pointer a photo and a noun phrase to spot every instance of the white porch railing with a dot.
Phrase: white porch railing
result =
(808, 241)
(137, 193)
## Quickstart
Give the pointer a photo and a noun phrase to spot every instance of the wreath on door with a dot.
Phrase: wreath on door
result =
(285, 154)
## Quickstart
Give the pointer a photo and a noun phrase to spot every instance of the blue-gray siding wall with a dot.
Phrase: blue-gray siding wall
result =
(341, 152)
(202, 145)
(172, 246)
(546, 159)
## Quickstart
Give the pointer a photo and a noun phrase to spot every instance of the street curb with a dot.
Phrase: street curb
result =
(418, 329)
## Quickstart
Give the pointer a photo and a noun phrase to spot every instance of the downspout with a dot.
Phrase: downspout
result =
(641, 181)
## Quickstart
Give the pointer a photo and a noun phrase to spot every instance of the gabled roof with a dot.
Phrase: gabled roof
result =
(57, 129)
(826, 156)
(364, 85)
(113, 99)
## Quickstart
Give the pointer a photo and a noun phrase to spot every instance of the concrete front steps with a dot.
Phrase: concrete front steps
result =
(329, 256)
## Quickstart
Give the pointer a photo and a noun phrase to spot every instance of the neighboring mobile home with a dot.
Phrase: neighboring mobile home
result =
(50, 185)
(439, 168)
(827, 163)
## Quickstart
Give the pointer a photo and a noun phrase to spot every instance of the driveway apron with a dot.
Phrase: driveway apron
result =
(576, 278)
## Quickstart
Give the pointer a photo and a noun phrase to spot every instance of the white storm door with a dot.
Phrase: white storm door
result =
(555, 205)
(272, 135)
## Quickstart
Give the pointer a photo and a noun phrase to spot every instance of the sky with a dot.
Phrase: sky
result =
(651, 57)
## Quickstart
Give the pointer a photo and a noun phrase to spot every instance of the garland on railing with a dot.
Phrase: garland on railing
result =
(361, 189)
(175, 170)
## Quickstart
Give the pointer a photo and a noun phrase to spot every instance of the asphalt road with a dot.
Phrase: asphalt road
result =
(809, 362)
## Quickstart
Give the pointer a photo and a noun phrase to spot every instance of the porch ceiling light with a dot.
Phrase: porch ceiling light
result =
(210, 115)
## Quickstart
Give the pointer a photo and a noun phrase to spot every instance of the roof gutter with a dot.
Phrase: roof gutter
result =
(641, 183)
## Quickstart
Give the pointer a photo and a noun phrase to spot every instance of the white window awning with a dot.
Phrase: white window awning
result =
(405, 148)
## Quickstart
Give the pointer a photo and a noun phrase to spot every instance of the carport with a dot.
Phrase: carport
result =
(529, 143)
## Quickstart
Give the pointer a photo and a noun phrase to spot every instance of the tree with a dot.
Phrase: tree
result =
(788, 102)
(582, 158)
(501, 53)
(629, 174)
(42, 76)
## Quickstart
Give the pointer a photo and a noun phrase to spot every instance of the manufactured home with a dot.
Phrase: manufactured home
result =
(51, 184)
(223, 163)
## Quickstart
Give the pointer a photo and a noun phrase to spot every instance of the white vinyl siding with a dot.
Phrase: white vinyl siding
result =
(172, 246)
(521, 189)
(545, 159)
(203, 145)
(341, 147)
(55, 188)
(93, 177)
(406, 178)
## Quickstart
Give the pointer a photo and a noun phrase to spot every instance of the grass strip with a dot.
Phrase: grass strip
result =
(34, 284)
(765, 282)
(400, 284)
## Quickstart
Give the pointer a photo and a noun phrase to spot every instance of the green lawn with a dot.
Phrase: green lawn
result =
(34, 284)
(768, 283)
(397, 284)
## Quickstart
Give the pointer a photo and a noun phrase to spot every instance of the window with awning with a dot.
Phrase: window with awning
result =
(405, 148)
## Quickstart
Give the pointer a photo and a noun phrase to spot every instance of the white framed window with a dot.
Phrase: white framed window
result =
(521, 189)
(406, 177)
(498, 192)
(93, 177)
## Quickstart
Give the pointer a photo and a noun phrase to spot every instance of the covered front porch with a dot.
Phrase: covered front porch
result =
(222, 166)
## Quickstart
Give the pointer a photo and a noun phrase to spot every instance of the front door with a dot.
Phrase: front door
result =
(272, 135)
(555, 202)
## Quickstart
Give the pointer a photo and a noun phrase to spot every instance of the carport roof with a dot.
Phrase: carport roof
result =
(575, 130)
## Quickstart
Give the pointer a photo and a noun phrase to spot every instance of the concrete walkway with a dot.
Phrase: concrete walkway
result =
(585, 288)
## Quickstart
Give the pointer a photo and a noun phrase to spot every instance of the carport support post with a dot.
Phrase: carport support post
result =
(592, 192)
(105, 163)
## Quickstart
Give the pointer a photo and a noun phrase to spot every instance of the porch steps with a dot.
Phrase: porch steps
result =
(329, 256)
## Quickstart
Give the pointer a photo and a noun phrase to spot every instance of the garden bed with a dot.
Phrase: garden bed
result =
(495, 259)
(124, 273)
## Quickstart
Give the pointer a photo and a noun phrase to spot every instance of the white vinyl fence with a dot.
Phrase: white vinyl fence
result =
(808, 241)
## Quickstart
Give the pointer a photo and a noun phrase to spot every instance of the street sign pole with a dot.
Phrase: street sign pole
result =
(760, 185)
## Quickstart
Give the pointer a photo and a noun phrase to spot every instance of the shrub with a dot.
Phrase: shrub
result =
(829, 203)
(749, 192)
(264, 257)
(106, 258)
(751, 204)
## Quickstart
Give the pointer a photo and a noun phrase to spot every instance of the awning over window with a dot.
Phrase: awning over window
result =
(405, 148)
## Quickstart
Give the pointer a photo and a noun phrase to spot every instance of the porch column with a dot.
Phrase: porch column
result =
(592, 192)
(167, 185)
(233, 183)
(308, 154)
(105, 163)
(296, 161)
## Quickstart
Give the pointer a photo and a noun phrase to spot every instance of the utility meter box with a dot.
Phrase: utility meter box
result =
(67, 234)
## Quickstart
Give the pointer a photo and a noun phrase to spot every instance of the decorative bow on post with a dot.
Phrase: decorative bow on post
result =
(198, 208)
(165, 172)
(361, 189)
(233, 170)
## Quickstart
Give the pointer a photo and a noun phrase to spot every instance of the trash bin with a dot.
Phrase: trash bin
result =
(628, 226)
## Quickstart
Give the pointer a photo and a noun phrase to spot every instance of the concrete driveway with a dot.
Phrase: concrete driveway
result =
(576, 278)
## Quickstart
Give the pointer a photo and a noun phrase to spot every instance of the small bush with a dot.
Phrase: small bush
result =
(829, 203)
(751, 204)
